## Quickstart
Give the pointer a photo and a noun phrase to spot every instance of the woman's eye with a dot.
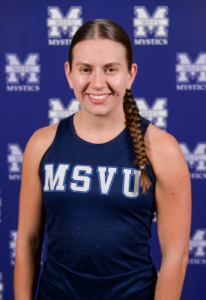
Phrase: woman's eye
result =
(110, 70)
(85, 70)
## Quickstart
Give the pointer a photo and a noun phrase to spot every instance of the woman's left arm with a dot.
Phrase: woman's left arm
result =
(173, 204)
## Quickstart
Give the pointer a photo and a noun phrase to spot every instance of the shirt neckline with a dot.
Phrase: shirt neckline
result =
(71, 125)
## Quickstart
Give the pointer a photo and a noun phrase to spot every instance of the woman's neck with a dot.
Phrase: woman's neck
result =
(98, 129)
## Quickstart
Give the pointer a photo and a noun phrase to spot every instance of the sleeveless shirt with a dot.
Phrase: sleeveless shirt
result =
(98, 219)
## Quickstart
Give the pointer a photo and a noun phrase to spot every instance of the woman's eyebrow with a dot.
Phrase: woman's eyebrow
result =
(112, 64)
(105, 66)
(83, 64)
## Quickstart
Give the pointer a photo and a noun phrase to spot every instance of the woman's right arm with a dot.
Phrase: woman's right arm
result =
(31, 224)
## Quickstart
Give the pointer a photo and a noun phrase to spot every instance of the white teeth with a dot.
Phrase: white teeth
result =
(98, 97)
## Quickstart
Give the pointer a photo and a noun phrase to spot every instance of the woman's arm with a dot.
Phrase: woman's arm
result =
(173, 203)
(31, 217)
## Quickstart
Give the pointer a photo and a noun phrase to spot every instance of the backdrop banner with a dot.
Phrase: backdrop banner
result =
(169, 44)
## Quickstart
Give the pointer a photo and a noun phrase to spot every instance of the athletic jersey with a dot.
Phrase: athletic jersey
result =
(98, 220)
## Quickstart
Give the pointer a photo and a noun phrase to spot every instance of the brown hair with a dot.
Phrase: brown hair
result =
(107, 29)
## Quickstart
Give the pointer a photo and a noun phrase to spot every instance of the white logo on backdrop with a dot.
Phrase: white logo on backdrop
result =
(144, 23)
(196, 158)
(12, 245)
(58, 111)
(14, 159)
(1, 286)
(198, 243)
(187, 69)
(57, 23)
(197, 248)
(156, 24)
(157, 113)
(16, 70)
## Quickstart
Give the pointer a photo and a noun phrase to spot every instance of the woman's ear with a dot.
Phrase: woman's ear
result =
(131, 75)
(68, 74)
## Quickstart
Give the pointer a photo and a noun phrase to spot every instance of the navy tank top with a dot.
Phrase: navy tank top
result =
(98, 220)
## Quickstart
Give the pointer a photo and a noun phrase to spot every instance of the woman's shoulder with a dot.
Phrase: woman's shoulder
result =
(157, 137)
(162, 149)
(40, 141)
(44, 136)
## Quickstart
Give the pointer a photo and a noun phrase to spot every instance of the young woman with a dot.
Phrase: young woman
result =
(96, 179)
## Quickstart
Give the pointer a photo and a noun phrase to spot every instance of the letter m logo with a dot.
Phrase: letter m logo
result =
(157, 113)
(197, 157)
(16, 69)
(144, 23)
(12, 245)
(57, 23)
(186, 69)
(198, 243)
(58, 111)
(14, 158)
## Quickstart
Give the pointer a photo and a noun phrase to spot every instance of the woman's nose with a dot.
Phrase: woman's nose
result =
(98, 80)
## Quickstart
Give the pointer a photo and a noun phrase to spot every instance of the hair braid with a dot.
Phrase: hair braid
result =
(134, 125)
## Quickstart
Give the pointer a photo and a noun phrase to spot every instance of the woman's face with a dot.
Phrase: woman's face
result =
(99, 75)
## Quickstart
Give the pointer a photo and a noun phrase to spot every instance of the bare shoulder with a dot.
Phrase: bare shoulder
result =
(164, 152)
(159, 139)
(40, 142)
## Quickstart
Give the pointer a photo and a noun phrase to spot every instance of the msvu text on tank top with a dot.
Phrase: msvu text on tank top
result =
(81, 179)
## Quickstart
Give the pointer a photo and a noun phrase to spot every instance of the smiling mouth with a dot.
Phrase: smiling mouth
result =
(98, 97)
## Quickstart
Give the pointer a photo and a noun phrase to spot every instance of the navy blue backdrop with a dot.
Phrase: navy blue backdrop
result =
(169, 42)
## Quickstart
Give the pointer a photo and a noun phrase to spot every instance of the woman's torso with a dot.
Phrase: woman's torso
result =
(98, 221)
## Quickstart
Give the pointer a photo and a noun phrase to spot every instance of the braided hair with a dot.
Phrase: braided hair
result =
(107, 29)
(134, 125)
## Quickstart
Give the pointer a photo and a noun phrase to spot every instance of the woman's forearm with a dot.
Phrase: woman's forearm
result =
(171, 278)
(26, 272)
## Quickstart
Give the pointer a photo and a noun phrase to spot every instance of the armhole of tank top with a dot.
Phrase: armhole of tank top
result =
(146, 123)
(150, 168)
(50, 147)
(149, 165)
